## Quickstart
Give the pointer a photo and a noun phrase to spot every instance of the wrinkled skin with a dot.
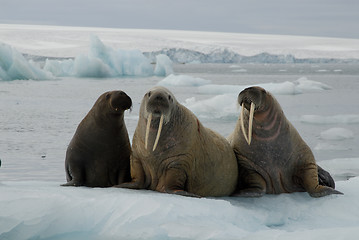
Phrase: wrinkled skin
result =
(189, 160)
(277, 160)
(99, 152)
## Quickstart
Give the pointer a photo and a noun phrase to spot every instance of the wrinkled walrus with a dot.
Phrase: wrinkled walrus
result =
(99, 152)
(172, 152)
(272, 157)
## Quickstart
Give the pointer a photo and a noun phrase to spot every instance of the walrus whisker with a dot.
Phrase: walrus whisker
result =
(149, 119)
(242, 124)
(250, 124)
(158, 133)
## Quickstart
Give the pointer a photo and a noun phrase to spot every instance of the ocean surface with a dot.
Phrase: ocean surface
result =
(39, 118)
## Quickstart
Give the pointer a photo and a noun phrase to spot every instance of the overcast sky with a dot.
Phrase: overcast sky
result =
(327, 18)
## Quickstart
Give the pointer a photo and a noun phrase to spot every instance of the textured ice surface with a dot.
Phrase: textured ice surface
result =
(44, 210)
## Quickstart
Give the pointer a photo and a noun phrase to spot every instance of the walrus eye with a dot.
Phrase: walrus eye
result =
(169, 97)
(107, 96)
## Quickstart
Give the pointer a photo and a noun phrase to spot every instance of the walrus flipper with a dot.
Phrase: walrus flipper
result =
(325, 179)
(251, 184)
(310, 180)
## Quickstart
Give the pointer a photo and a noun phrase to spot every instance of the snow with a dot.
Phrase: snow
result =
(39, 118)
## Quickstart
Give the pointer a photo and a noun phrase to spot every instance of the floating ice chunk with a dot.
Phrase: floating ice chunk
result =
(304, 85)
(341, 168)
(220, 106)
(13, 66)
(183, 80)
(326, 146)
(163, 65)
(341, 119)
(336, 134)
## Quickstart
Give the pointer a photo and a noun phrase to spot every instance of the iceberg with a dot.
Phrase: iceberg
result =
(13, 66)
(103, 62)
(163, 65)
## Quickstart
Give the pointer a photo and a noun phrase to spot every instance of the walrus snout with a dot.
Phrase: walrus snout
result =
(158, 103)
(251, 95)
(119, 100)
(250, 99)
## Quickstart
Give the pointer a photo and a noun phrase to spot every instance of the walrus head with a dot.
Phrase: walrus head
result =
(157, 103)
(253, 99)
(117, 101)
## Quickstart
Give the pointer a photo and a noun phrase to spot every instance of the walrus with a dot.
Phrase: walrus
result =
(172, 152)
(272, 157)
(99, 152)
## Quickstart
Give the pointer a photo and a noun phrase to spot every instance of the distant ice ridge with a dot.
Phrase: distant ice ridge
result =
(13, 65)
(105, 62)
(225, 55)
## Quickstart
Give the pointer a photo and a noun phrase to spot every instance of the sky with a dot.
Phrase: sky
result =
(324, 18)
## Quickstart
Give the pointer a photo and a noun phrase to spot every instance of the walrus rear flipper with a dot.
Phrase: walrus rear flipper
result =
(325, 179)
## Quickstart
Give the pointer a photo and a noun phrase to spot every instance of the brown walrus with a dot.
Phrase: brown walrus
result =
(272, 157)
(99, 152)
(173, 152)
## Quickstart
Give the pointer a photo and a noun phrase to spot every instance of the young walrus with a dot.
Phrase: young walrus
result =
(272, 157)
(172, 152)
(99, 152)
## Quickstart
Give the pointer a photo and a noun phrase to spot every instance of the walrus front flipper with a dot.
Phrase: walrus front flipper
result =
(72, 183)
(325, 179)
(251, 184)
(182, 193)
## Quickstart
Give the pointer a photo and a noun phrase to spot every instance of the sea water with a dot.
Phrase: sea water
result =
(39, 118)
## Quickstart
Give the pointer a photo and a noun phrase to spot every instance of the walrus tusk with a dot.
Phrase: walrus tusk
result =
(248, 137)
(250, 124)
(158, 133)
(149, 119)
